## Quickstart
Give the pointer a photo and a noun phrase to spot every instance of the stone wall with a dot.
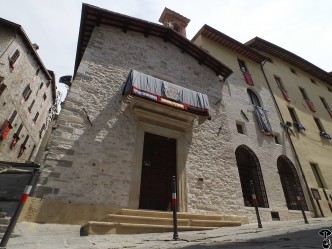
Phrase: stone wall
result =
(93, 163)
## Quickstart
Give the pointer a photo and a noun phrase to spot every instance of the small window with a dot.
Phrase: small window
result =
(31, 105)
(293, 70)
(317, 175)
(26, 93)
(325, 103)
(41, 130)
(25, 140)
(279, 83)
(329, 89)
(275, 216)
(243, 66)
(48, 83)
(19, 129)
(44, 97)
(13, 58)
(239, 128)
(253, 98)
(276, 139)
(37, 71)
(319, 124)
(304, 93)
(36, 117)
(3, 86)
(293, 115)
(12, 117)
(313, 81)
(41, 85)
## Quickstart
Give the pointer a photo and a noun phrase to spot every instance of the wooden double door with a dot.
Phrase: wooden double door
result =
(158, 167)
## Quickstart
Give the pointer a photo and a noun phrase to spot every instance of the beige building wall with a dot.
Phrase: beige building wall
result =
(236, 99)
(310, 146)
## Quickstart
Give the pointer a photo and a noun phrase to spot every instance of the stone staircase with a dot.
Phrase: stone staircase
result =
(4, 221)
(130, 221)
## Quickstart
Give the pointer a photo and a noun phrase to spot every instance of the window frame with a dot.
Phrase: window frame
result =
(317, 175)
(319, 124)
(304, 93)
(34, 120)
(242, 64)
(252, 94)
(293, 114)
(27, 92)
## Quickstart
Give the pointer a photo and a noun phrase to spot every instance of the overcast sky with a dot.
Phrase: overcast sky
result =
(303, 27)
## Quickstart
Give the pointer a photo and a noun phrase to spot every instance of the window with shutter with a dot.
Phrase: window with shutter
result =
(36, 117)
(3, 86)
(26, 93)
(48, 83)
(13, 58)
(31, 105)
(41, 131)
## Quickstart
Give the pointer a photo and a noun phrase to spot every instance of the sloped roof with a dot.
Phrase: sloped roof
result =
(94, 16)
(230, 43)
(48, 73)
(28, 43)
(293, 59)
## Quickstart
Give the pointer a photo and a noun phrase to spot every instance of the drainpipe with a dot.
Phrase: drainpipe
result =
(291, 142)
(9, 44)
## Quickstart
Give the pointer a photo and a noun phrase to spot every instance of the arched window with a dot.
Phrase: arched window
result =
(290, 183)
(253, 98)
(250, 170)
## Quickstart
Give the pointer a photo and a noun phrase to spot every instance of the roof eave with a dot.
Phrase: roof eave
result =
(98, 16)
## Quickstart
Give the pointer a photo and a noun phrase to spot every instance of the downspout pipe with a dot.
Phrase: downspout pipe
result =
(291, 142)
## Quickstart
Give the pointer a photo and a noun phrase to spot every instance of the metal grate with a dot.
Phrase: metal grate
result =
(250, 170)
(290, 183)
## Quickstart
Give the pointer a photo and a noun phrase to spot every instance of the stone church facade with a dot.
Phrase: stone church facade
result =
(113, 150)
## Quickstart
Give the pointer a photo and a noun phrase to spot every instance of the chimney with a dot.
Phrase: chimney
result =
(177, 22)
(35, 46)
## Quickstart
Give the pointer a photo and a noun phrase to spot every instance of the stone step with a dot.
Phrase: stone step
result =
(2, 214)
(4, 221)
(13, 235)
(160, 214)
(115, 218)
(214, 223)
(100, 228)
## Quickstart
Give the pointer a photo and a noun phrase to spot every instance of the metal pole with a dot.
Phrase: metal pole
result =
(300, 203)
(254, 200)
(18, 210)
(174, 206)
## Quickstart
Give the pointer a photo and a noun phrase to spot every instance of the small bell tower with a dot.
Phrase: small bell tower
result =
(177, 22)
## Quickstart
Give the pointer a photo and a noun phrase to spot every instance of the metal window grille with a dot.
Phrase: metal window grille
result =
(250, 170)
(290, 183)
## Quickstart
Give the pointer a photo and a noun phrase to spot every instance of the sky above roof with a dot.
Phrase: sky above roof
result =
(301, 26)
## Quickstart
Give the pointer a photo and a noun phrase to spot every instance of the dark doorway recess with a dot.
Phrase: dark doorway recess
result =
(158, 167)
(250, 170)
(290, 183)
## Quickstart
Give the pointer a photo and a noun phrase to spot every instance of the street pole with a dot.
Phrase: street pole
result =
(254, 200)
(19, 208)
(174, 206)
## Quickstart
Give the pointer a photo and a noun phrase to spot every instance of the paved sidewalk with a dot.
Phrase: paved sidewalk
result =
(277, 234)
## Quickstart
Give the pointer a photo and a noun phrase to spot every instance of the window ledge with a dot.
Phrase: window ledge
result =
(260, 209)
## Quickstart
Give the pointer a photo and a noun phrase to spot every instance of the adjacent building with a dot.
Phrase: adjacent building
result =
(27, 97)
(263, 151)
(303, 93)
(27, 93)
